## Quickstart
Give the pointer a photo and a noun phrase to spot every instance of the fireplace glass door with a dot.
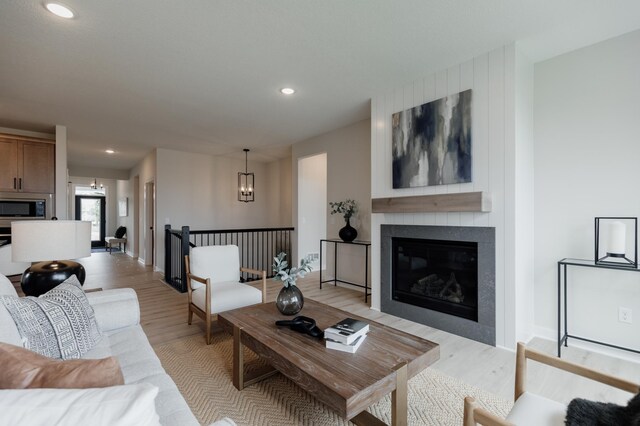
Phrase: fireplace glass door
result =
(437, 275)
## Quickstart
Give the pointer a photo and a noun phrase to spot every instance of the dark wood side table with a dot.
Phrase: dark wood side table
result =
(335, 280)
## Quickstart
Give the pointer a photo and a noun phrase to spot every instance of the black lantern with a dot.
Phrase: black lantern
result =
(612, 251)
(246, 185)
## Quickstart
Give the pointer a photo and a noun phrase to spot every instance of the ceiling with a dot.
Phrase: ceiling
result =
(204, 75)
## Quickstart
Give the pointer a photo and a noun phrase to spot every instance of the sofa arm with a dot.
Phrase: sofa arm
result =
(115, 309)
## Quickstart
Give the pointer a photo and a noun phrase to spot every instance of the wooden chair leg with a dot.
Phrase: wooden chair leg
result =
(190, 317)
(208, 329)
(469, 406)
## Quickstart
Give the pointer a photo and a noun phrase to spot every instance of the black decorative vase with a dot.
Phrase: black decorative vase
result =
(289, 301)
(348, 233)
(43, 276)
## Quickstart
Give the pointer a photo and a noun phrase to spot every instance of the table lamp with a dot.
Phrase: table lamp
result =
(43, 240)
(615, 246)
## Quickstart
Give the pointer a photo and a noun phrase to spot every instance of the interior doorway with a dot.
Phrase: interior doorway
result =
(149, 223)
(312, 207)
(92, 208)
(137, 226)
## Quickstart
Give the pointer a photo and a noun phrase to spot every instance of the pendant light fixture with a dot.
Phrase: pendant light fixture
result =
(246, 185)
(94, 184)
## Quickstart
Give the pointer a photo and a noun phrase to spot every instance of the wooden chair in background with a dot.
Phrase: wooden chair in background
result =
(213, 283)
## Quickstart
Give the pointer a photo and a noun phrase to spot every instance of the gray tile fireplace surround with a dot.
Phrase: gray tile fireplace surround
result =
(484, 330)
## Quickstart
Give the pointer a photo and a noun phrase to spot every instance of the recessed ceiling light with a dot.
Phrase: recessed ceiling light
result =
(60, 10)
(109, 151)
(287, 91)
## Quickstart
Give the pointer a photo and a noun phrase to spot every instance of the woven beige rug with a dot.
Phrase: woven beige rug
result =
(203, 375)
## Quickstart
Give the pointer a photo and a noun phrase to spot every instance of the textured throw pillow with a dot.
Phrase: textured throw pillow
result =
(59, 324)
(128, 405)
(24, 369)
(582, 412)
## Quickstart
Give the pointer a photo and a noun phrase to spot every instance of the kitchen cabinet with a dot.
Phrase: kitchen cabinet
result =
(27, 165)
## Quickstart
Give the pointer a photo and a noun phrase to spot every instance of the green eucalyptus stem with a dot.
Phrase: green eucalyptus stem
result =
(287, 275)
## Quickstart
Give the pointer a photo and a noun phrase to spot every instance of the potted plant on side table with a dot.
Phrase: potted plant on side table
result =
(346, 208)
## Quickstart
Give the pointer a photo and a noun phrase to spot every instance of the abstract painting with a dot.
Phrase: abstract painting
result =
(432, 143)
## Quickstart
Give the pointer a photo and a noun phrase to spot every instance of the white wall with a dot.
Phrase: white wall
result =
(145, 170)
(492, 77)
(524, 289)
(312, 202)
(200, 191)
(587, 153)
(279, 204)
(348, 176)
(61, 173)
(99, 172)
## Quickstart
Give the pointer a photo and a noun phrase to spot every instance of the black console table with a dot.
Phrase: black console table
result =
(335, 280)
(563, 335)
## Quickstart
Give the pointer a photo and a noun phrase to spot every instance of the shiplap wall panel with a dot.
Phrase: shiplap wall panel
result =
(466, 82)
(510, 187)
(480, 124)
(497, 174)
(485, 75)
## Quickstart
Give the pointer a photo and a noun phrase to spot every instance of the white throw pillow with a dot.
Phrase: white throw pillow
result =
(6, 287)
(117, 405)
(59, 324)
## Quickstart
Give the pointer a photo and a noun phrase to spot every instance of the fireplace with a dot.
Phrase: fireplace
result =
(436, 274)
(440, 276)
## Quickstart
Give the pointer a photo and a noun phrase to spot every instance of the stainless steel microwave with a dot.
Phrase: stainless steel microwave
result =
(24, 207)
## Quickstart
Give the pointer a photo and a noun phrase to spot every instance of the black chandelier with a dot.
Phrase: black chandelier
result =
(245, 182)
(94, 184)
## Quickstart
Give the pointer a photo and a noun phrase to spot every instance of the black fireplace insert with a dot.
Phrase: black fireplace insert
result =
(436, 274)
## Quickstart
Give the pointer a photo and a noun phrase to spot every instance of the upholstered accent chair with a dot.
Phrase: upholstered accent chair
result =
(213, 283)
(532, 409)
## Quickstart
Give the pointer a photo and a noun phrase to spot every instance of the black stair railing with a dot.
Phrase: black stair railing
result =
(257, 248)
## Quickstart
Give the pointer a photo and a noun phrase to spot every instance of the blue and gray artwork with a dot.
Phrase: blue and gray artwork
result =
(432, 143)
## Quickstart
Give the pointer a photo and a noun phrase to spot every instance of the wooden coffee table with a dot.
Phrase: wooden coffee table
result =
(348, 383)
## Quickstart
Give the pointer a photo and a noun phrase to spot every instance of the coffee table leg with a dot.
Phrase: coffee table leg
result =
(238, 359)
(399, 404)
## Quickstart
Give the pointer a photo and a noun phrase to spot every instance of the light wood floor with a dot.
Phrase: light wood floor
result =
(164, 318)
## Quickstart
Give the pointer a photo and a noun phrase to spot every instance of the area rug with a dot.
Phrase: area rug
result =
(203, 375)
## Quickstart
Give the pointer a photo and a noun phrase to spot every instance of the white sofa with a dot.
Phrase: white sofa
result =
(118, 316)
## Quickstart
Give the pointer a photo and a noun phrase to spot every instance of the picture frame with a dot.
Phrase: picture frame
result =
(123, 207)
(431, 143)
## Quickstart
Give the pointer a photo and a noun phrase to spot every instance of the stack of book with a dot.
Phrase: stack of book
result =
(347, 335)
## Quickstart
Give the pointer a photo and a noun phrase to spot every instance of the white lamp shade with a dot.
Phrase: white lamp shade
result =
(617, 238)
(43, 240)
